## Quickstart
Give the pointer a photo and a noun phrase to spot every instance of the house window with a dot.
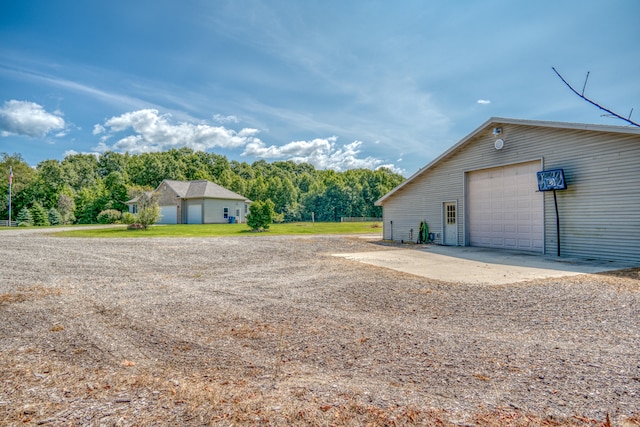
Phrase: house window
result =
(238, 213)
(134, 208)
(451, 214)
(225, 213)
(246, 209)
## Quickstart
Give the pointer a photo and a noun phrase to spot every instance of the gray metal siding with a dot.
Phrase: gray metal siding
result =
(599, 212)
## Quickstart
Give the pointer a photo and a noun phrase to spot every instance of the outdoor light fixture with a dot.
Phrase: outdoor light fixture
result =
(497, 131)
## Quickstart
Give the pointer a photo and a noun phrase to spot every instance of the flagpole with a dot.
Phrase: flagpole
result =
(10, 182)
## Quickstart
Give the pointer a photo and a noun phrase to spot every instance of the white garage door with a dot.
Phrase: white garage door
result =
(194, 213)
(505, 208)
(169, 215)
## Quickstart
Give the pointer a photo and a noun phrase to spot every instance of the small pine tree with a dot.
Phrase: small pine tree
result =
(261, 215)
(55, 218)
(24, 219)
(39, 215)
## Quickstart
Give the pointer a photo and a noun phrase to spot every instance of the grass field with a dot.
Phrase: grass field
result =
(213, 230)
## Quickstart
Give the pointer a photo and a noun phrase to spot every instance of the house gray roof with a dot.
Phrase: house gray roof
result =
(497, 121)
(202, 189)
(136, 199)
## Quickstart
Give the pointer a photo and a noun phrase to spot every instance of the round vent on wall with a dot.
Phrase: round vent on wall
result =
(499, 144)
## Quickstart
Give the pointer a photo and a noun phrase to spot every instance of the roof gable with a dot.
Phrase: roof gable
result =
(201, 189)
(497, 122)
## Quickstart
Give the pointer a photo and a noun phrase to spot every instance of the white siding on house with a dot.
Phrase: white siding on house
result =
(214, 210)
(599, 211)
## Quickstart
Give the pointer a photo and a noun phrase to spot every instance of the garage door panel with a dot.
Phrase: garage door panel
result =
(168, 215)
(505, 209)
(510, 243)
(194, 213)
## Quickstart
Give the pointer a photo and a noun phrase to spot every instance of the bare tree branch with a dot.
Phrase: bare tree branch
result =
(581, 95)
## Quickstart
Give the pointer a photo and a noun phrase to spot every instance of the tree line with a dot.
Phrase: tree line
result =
(80, 187)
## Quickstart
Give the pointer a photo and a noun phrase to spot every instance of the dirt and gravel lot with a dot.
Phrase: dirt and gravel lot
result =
(268, 330)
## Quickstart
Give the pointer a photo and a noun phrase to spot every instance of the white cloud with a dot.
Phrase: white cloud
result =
(74, 152)
(483, 101)
(148, 131)
(30, 119)
(155, 132)
(323, 153)
(225, 119)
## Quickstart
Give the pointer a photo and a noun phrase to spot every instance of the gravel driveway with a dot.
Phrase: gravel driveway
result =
(276, 331)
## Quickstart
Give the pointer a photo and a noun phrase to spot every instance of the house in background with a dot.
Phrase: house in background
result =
(197, 202)
(484, 191)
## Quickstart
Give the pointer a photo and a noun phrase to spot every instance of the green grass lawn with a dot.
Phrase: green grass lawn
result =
(214, 230)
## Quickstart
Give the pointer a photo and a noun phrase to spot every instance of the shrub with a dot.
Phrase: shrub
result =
(128, 218)
(148, 216)
(109, 216)
(261, 215)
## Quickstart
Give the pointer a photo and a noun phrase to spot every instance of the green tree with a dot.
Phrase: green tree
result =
(51, 178)
(24, 218)
(243, 170)
(81, 186)
(21, 190)
(66, 206)
(54, 216)
(261, 215)
(148, 210)
(146, 170)
(39, 215)
(117, 193)
(282, 192)
(257, 189)
(90, 201)
(82, 170)
(111, 161)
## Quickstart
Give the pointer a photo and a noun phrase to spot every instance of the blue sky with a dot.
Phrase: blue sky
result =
(339, 84)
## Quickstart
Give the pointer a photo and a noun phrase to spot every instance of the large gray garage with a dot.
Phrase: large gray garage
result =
(484, 191)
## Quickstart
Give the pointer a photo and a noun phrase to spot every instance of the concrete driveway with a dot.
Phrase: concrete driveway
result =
(471, 265)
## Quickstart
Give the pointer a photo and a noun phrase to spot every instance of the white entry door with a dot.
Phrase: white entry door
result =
(450, 224)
